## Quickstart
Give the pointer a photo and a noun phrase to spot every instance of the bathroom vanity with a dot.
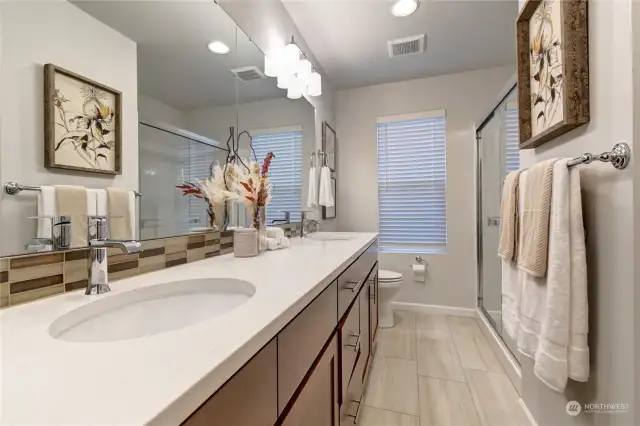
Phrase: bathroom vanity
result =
(297, 352)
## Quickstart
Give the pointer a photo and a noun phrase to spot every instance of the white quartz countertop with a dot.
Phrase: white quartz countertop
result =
(159, 379)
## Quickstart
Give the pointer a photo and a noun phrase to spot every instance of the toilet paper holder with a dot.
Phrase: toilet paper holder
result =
(420, 259)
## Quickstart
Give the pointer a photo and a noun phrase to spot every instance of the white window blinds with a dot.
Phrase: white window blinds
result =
(285, 171)
(512, 146)
(412, 205)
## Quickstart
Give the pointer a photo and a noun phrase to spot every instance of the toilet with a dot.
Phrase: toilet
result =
(389, 283)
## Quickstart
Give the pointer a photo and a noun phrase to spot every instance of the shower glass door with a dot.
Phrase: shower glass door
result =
(497, 155)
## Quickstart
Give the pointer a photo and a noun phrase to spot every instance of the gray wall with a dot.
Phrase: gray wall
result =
(465, 96)
(608, 213)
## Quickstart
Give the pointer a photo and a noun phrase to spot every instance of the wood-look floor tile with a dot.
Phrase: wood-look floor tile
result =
(473, 348)
(376, 417)
(404, 320)
(396, 343)
(149, 264)
(174, 245)
(446, 403)
(197, 254)
(126, 273)
(393, 385)
(76, 270)
(153, 244)
(438, 358)
(495, 398)
(433, 326)
(4, 264)
(35, 260)
(4, 295)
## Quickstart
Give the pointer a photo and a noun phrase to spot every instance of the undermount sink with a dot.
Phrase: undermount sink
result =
(330, 236)
(151, 310)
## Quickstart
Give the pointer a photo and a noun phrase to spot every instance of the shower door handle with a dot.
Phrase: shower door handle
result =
(493, 221)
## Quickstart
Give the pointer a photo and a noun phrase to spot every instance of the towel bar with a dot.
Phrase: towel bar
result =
(619, 157)
(13, 188)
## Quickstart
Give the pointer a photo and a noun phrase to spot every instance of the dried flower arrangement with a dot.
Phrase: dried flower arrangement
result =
(234, 183)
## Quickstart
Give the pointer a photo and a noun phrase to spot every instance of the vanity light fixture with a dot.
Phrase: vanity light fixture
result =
(218, 47)
(402, 8)
(293, 70)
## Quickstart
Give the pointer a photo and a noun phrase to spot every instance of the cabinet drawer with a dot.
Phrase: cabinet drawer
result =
(255, 386)
(351, 344)
(351, 280)
(351, 403)
(302, 340)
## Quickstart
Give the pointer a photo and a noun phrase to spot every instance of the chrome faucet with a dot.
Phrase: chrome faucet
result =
(308, 225)
(60, 235)
(286, 220)
(98, 244)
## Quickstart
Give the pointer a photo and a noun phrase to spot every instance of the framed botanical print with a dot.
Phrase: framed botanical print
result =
(83, 123)
(329, 145)
(553, 69)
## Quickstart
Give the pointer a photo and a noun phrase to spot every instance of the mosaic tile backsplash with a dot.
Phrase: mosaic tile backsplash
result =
(31, 277)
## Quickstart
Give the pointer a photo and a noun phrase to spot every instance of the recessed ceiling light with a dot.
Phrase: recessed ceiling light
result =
(218, 47)
(402, 8)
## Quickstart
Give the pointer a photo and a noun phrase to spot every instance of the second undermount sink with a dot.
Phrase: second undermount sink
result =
(151, 310)
(330, 236)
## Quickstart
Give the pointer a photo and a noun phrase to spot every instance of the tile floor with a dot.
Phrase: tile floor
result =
(436, 370)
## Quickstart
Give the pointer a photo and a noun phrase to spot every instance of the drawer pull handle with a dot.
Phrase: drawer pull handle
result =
(355, 416)
(356, 345)
(351, 285)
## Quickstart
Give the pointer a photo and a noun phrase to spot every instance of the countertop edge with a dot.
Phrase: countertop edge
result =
(181, 408)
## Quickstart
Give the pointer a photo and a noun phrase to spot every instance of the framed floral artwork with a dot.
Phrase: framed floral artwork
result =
(553, 69)
(329, 145)
(83, 123)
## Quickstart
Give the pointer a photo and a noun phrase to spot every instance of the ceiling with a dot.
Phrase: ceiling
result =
(174, 64)
(349, 37)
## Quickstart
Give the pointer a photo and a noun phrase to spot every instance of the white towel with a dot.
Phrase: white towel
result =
(46, 207)
(554, 309)
(97, 202)
(312, 193)
(122, 209)
(274, 232)
(326, 191)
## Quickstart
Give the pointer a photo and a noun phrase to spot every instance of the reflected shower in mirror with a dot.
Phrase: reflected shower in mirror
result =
(192, 86)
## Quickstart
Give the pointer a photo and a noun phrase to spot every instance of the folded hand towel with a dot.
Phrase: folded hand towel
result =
(274, 232)
(97, 202)
(326, 191)
(532, 253)
(72, 201)
(46, 207)
(122, 213)
(283, 242)
(312, 194)
(508, 247)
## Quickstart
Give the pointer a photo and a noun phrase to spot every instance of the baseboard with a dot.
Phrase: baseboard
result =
(506, 358)
(434, 309)
(527, 413)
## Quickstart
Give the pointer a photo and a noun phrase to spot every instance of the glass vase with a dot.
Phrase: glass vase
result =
(259, 219)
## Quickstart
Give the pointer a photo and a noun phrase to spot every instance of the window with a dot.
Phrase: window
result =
(285, 171)
(412, 204)
(512, 146)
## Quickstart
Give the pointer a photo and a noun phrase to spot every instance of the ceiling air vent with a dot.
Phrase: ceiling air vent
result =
(248, 73)
(406, 46)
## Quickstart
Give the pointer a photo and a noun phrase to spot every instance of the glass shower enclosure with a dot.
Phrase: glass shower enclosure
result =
(168, 157)
(497, 155)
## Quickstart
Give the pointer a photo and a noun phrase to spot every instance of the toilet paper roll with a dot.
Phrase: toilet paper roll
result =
(419, 273)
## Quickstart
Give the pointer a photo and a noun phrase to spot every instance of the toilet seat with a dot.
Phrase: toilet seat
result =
(389, 278)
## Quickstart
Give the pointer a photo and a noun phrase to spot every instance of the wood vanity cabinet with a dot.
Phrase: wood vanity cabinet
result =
(254, 386)
(317, 402)
(313, 372)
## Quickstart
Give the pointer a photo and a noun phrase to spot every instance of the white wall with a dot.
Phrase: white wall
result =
(608, 215)
(269, 26)
(465, 96)
(152, 111)
(214, 123)
(34, 34)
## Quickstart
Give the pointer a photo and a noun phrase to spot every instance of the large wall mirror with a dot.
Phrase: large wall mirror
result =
(180, 104)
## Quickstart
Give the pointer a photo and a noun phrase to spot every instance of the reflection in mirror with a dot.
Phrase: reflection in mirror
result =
(181, 102)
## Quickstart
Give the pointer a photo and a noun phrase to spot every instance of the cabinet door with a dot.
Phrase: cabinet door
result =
(373, 304)
(317, 403)
(255, 386)
(365, 325)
